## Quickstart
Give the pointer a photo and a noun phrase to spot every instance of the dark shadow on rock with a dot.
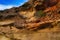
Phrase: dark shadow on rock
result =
(44, 26)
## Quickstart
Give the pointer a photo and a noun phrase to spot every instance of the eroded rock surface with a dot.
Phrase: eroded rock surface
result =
(34, 20)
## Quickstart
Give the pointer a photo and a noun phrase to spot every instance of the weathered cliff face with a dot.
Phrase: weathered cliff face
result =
(34, 20)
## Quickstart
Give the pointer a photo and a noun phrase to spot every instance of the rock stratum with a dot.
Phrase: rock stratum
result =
(34, 20)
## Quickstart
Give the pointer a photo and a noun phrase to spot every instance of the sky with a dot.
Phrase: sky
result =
(6, 4)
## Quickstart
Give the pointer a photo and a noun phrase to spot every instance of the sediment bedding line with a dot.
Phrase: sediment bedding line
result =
(6, 22)
(35, 25)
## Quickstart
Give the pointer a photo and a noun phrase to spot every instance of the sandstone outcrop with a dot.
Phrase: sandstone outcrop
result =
(34, 18)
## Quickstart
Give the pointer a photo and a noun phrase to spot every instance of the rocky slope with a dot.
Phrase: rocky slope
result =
(34, 20)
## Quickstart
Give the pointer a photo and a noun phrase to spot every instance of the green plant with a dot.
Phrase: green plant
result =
(40, 13)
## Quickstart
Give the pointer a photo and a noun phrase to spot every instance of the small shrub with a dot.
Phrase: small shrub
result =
(40, 13)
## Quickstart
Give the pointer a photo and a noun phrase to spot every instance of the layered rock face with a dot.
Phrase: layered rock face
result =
(34, 20)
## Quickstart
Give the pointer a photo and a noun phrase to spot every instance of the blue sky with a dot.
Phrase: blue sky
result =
(6, 4)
